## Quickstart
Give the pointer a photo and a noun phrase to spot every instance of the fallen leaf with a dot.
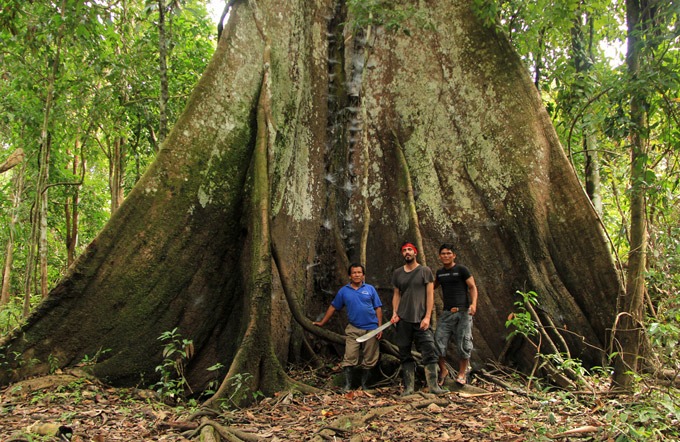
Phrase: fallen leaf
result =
(576, 431)
(434, 408)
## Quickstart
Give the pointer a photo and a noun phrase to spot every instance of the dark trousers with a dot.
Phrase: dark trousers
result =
(410, 332)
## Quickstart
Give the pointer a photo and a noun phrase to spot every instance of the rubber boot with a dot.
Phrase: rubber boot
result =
(365, 374)
(431, 377)
(408, 376)
(348, 378)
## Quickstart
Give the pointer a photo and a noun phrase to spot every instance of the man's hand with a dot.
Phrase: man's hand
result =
(425, 323)
(395, 318)
(318, 323)
(472, 309)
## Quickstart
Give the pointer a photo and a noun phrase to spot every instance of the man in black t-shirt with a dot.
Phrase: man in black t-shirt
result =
(455, 320)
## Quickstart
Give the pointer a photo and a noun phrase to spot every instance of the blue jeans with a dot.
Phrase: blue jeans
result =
(456, 326)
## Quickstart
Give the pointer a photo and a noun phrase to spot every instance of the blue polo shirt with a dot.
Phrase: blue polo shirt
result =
(361, 304)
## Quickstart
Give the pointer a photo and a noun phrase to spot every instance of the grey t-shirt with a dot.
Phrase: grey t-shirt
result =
(413, 290)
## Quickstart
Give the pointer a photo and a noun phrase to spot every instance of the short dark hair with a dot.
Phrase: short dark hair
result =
(447, 245)
(355, 265)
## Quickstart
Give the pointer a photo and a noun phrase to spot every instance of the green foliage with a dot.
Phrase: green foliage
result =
(652, 417)
(106, 90)
(664, 334)
(176, 353)
(487, 11)
(394, 16)
(10, 315)
(215, 383)
(18, 360)
(53, 362)
(240, 391)
(521, 321)
(88, 360)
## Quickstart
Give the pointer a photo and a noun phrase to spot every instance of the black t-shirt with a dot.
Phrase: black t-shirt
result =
(454, 287)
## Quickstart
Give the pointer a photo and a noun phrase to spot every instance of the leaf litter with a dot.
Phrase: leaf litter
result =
(482, 411)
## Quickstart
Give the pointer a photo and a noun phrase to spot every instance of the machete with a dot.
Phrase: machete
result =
(372, 333)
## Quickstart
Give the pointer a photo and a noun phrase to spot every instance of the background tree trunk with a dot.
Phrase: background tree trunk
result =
(18, 190)
(450, 108)
(582, 56)
(71, 211)
(629, 328)
(17, 157)
(163, 96)
(116, 172)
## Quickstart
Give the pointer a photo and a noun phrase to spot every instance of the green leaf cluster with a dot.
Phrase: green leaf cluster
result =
(394, 16)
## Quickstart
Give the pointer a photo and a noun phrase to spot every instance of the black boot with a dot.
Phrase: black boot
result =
(408, 376)
(348, 378)
(431, 377)
(365, 374)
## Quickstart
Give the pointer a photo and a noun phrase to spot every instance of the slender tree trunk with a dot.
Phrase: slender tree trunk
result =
(18, 186)
(629, 328)
(116, 173)
(163, 65)
(538, 59)
(592, 168)
(42, 213)
(71, 212)
(581, 49)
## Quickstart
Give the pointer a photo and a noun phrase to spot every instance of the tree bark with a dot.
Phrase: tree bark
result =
(451, 107)
(582, 58)
(18, 186)
(163, 71)
(71, 211)
(116, 156)
(17, 157)
(630, 324)
(42, 213)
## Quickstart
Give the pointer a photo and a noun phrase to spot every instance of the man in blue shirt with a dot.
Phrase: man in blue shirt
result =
(364, 311)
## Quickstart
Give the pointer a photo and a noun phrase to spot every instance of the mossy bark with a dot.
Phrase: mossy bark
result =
(185, 250)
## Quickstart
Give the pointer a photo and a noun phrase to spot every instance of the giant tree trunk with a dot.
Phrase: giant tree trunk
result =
(371, 139)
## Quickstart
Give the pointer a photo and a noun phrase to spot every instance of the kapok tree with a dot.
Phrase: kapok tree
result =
(307, 144)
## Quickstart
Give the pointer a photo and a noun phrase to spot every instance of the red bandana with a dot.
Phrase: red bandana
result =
(408, 244)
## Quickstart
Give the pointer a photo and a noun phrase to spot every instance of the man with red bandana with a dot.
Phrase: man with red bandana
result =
(412, 304)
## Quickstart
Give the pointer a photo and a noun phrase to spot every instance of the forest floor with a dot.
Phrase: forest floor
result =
(35, 410)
